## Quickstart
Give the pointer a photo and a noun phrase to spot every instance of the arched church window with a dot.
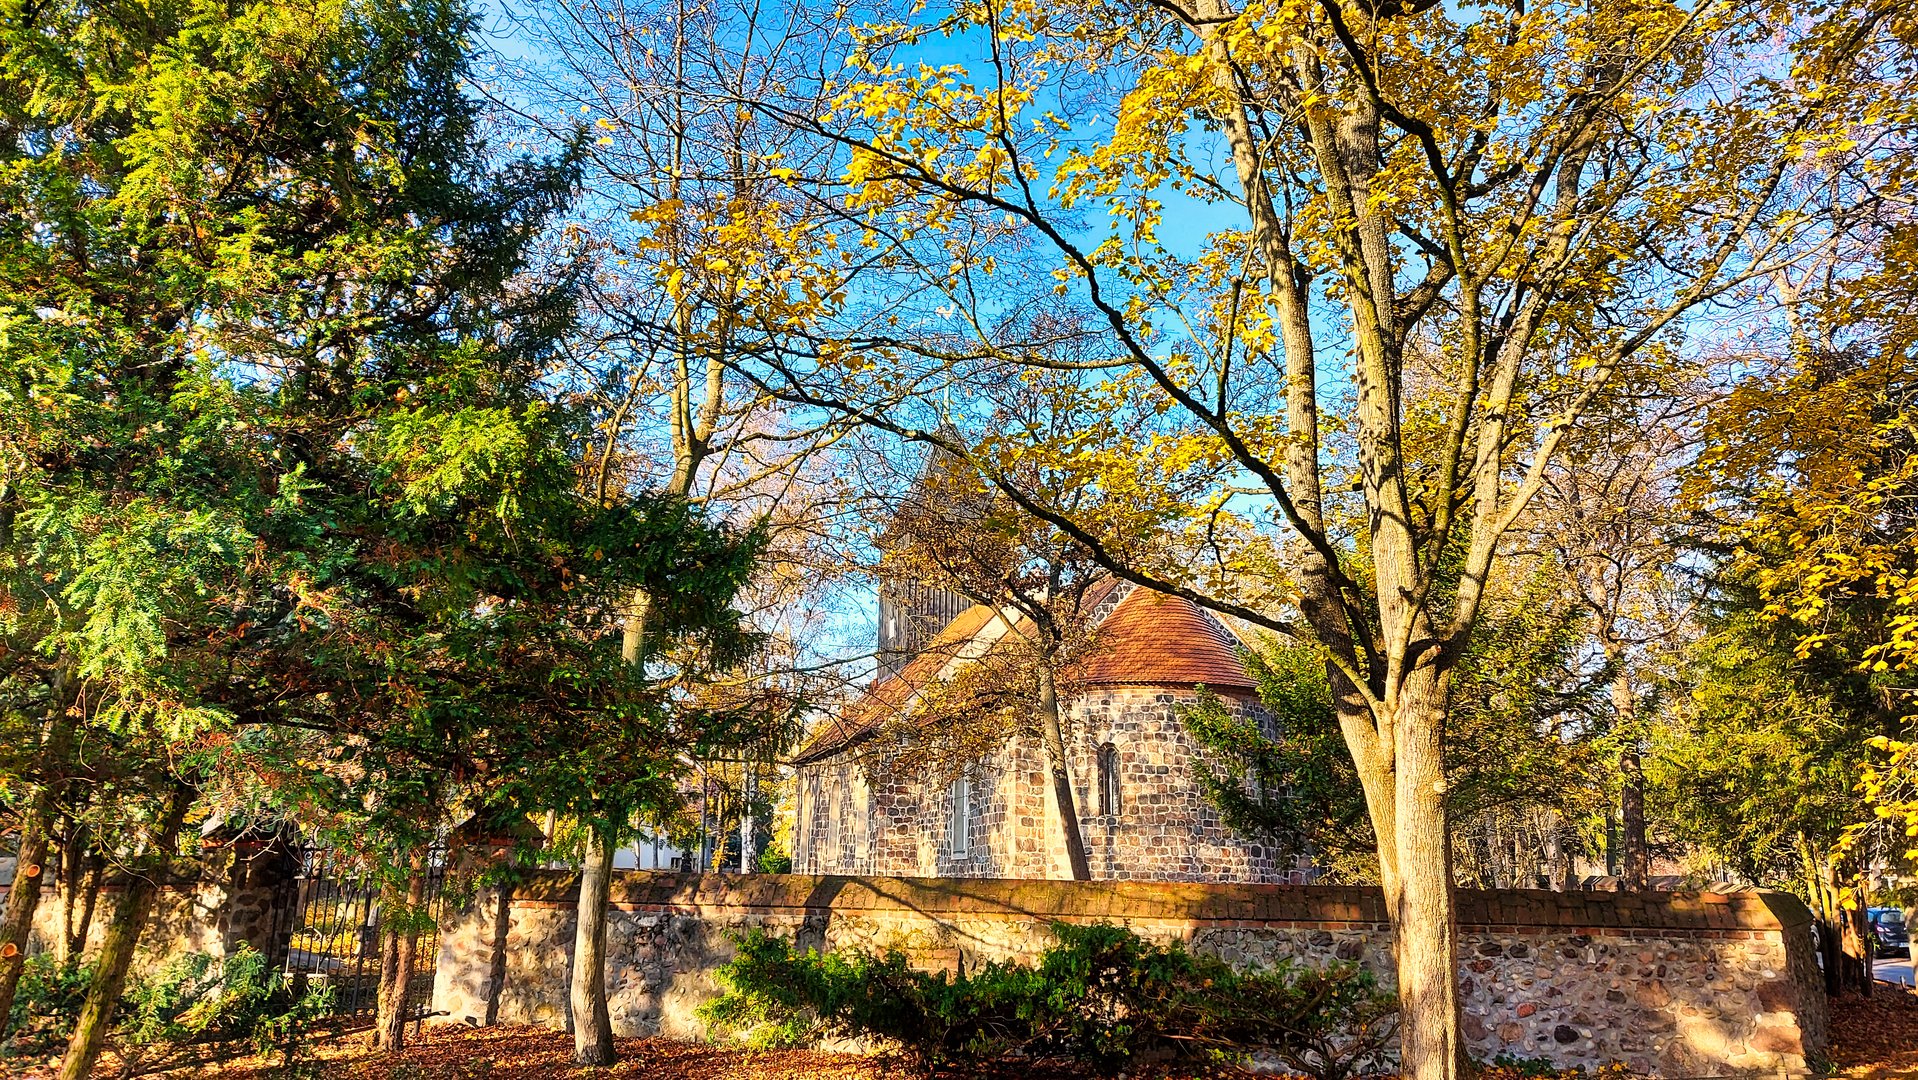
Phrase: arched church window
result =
(1108, 779)
(958, 826)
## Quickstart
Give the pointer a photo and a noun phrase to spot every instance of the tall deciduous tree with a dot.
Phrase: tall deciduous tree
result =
(693, 245)
(1808, 482)
(955, 532)
(1305, 214)
(1612, 517)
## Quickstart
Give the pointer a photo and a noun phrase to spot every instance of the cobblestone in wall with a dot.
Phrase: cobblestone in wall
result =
(858, 816)
(1672, 984)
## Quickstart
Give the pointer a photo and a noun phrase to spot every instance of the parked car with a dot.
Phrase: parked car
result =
(1889, 935)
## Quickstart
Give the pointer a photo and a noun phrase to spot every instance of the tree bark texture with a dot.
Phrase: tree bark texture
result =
(22, 901)
(30, 875)
(399, 958)
(592, 1021)
(496, 974)
(130, 914)
(1053, 737)
(388, 936)
(1635, 859)
(1635, 864)
(389, 970)
(1857, 938)
(1425, 911)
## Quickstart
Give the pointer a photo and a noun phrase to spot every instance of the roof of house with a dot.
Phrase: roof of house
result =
(1151, 639)
(1147, 638)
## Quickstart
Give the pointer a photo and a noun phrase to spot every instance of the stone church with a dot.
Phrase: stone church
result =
(1140, 806)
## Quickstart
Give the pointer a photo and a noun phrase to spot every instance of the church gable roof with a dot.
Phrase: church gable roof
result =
(1145, 638)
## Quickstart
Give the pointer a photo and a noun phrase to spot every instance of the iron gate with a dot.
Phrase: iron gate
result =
(329, 932)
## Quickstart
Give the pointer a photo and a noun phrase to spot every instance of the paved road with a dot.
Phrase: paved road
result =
(1894, 969)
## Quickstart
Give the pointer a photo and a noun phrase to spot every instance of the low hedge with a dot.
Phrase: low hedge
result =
(1100, 997)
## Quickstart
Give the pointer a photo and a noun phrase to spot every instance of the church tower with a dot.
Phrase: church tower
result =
(911, 614)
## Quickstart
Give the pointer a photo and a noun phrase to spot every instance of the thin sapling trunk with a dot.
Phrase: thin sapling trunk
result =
(130, 914)
(1053, 737)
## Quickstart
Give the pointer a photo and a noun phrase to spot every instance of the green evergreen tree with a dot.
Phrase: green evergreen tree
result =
(289, 500)
(1757, 765)
(1523, 738)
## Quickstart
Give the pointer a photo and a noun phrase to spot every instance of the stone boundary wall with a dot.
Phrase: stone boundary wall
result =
(210, 903)
(1675, 984)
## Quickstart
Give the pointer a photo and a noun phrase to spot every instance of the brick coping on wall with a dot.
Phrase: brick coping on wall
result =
(1506, 911)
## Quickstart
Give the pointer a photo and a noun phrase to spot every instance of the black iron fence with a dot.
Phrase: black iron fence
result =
(330, 928)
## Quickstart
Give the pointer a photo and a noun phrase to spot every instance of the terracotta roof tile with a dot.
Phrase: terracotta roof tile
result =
(1152, 639)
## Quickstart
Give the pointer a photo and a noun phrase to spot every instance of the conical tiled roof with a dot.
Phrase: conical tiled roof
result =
(1152, 639)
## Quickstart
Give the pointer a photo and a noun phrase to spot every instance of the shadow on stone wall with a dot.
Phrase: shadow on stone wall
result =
(1672, 983)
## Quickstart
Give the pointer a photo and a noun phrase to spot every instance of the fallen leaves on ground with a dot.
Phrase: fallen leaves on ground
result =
(527, 1053)
(1876, 1037)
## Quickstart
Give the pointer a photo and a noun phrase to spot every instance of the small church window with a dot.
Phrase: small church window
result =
(959, 825)
(1108, 779)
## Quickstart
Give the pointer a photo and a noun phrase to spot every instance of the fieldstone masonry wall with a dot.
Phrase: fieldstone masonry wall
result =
(857, 815)
(227, 895)
(1675, 984)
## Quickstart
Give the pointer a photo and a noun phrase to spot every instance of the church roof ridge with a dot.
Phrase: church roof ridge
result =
(1146, 639)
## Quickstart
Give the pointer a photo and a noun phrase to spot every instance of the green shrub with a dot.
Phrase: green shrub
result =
(1100, 997)
(192, 1000)
(1522, 1068)
(195, 1000)
(45, 1006)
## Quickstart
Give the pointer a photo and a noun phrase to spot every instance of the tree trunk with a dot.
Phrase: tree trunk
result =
(389, 937)
(1053, 737)
(1567, 866)
(748, 843)
(1857, 938)
(496, 974)
(1635, 858)
(592, 1022)
(398, 962)
(130, 916)
(30, 868)
(22, 900)
(1825, 915)
(69, 879)
(1846, 935)
(82, 924)
(1425, 913)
